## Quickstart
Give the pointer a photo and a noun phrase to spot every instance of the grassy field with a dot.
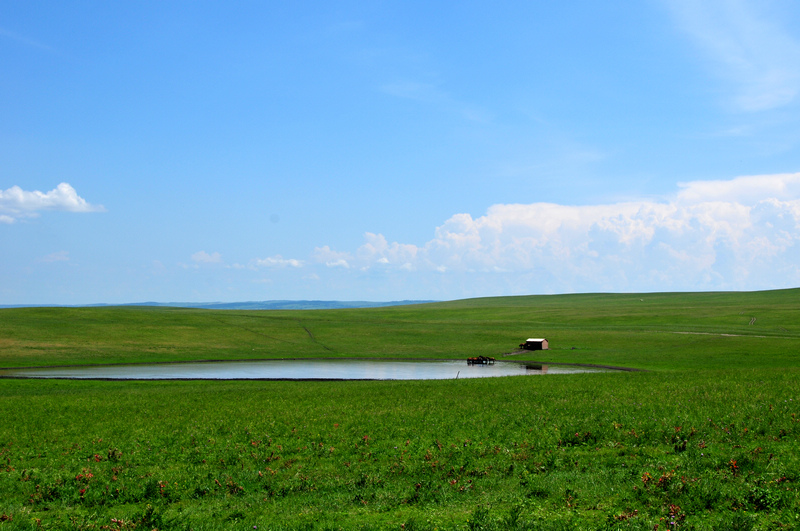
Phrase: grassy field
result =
(706, 438)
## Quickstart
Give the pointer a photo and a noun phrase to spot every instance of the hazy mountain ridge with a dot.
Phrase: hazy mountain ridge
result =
(283, 304)
(249, 305)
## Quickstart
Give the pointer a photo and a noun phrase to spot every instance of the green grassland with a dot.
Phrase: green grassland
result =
(652, 331)
(706, 437)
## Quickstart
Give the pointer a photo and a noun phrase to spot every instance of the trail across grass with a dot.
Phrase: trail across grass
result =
(706, 438)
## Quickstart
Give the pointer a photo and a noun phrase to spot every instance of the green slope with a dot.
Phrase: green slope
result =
(650, 331)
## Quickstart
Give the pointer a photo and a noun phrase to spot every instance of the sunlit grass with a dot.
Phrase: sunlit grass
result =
(707, 439)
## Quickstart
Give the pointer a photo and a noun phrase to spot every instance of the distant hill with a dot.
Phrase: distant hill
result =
(255, 305)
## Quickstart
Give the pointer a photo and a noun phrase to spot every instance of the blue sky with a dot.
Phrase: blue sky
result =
(208, 151)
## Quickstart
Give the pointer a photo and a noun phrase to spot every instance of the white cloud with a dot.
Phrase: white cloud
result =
(331, 258)
(743, 233)
(277, 261)
(202, 257)
(16, 203)
(784, 186)
(377, 249)
(747, 46)
(338, 263)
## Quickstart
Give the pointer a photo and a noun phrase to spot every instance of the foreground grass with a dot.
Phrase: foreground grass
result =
(627, 451)
(706, 440)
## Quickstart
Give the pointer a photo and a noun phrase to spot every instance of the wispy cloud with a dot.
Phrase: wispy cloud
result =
(27, 42)
(60, 256)
(277, 261)
(432, 94)
(202, 257)
(742, 233)
(412, 90)
(16, 203)
(748, 46)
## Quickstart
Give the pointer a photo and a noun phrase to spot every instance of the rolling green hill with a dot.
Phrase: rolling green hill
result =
(650, 331)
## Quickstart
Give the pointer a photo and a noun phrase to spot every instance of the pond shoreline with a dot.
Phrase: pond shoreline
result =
(393, 359)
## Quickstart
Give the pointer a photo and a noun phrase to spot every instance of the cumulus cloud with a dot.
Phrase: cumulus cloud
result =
(329, 257)
(742, 233)
(747, 45)
(785, 186)
(16, 203)
(377, 250)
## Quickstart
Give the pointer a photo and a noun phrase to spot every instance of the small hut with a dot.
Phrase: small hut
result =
(533, 343)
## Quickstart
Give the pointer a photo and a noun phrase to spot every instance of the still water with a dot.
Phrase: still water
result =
(297, 370)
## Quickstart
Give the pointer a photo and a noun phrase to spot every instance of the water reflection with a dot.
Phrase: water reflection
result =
(315, 369)
(536, 368)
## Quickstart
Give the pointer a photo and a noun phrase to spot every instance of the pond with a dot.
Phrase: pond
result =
(297, 369)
